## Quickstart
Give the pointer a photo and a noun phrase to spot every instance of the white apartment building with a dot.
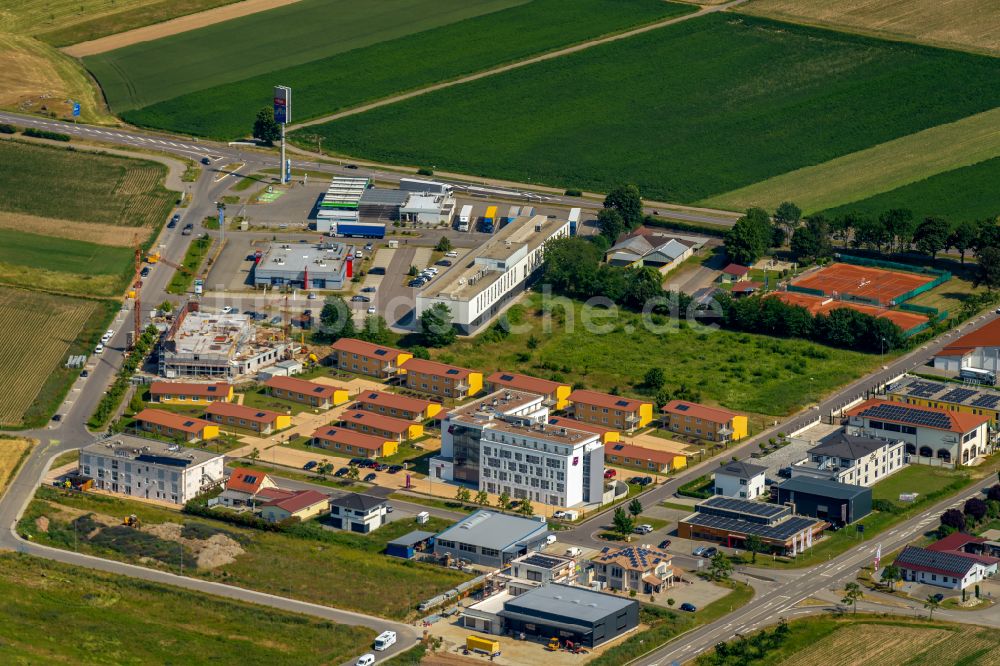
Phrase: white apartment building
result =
(740, 479)
(477, 288)
(151, 469)
(857, 460)
(540, 462)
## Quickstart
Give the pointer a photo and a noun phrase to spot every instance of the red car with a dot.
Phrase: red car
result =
(609, 473)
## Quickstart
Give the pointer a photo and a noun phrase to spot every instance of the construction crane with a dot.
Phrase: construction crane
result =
(137, 288)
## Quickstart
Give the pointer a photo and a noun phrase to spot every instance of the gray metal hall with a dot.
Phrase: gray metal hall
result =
(570, 613)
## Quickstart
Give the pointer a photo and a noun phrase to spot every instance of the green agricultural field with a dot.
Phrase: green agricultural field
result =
(875, 170)
(687, 111)
(335, 568)
(62, 183)
(295, 34)
(395, 65)
(57, 613)
(59, 254)
(968, 193)
(750, 373)
(37, 333)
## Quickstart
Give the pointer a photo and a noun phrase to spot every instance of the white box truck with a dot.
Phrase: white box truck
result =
(385, 640)
(465, 217)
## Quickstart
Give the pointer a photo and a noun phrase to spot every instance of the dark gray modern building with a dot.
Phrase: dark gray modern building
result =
(570, 613)
(832, 501)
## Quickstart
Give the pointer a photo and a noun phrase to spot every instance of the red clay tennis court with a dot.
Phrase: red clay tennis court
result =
(823, 304)
(877, 284)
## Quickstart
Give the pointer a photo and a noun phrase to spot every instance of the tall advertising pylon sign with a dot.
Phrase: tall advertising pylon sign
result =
(283, 116)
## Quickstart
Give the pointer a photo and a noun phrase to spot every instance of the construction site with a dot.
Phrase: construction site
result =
(219, 346)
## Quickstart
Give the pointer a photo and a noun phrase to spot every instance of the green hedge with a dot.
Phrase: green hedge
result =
(7, 129)
(116, 392)
(46, 134)
(701, 488)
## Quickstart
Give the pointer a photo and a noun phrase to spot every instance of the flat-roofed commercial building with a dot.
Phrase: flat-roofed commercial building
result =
(556, 393)
(829, 500)
(477, 288)
(322, 266)
(491, 539)
(970, 399)
(572, 613)
(441, 379)
(611, 411)
(352, 355)
(190, 393)
(151, 469)
(462, 431)
(397, 406)
(931, 436)
(730, 521)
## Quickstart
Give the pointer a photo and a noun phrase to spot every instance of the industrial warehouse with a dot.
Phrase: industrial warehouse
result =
(320, 266)
(353, 207)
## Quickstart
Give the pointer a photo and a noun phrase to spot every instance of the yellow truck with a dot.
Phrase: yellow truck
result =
(486, 646)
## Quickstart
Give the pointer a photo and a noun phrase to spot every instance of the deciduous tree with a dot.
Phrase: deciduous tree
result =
(627, 201)
(931, 236)
(265, 128)
(436, 326)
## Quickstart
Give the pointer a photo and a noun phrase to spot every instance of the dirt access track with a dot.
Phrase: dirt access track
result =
(173, 27)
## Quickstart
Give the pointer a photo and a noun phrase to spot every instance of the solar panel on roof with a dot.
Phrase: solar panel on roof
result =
(904, 414)
(189, 423)
(989, 401)
(782, 531)
(507, 378)
(318, 389)
(682, 408)
(622, 403)
(260, 415)
(451, 371)
(542, 561)
(958, 395)
(380, 352)
(210, 389)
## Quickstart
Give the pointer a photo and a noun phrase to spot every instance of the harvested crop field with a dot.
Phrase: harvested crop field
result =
(82, 186)
(401, 64)
(687, 111)
(11, 452)
(958, 24)
(102, 234)
(36, 332)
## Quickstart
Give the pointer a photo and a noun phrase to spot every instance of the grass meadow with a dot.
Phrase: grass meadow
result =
(687, 111)
(54, 613)
(744, 372)
(395, 65)
(295, 34)
(59, 254)
(968, 193)
(62, 183)
(340, 569)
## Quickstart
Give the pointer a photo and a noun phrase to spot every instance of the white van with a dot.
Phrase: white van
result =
(423, 517)
(384, 640)
(365, 660)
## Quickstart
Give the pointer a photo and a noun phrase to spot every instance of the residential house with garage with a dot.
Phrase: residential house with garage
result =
(641, 568)
(860, 460)
(951, 569)
(358, 513)
(299, 504)
(244, 486)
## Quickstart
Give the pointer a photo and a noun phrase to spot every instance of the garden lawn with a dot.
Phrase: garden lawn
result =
(968, 193)
(295, 34)
(687, 111)
(921, 479)
(53, 612)
(64, 184)
(335, 568)
(261, 400)
(744, 372)
(379, 70)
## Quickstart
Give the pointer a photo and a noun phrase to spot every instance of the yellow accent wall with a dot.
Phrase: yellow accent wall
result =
(414, 431)
(645, 414)
(432, 410)
(740, 427)
(680, 462)
(210, 432)
(340, 396)
(475, 383)
(562, 396)
(611, 436)
(282, 421)
(400, 360)
(389, 448)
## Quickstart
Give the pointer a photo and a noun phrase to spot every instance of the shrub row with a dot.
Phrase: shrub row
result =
(7, 129)
(46, 134)
(116, 392)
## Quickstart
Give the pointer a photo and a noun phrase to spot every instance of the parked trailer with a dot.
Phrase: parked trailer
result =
(574, 220)
(489, 219)
(465, 217)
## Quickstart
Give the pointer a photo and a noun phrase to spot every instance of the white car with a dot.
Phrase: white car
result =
(645, 528)
(227, 309)
(110, 333)
(365, 660)
(559, 514)
(452, 254)
(372, 310)
(99, 349)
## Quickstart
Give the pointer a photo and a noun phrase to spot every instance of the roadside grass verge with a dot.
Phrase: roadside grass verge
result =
(730, 94)
(310, 563)
(741, 371)
(391, 66)
(107, 614)
(181, 281)
(878, 169)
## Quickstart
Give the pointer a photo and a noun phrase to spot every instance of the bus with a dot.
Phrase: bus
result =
(489, 219)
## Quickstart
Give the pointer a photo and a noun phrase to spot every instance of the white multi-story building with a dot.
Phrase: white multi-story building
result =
(503, 443)
(478, 287)
(931, 435)
(740, 479)
(853, 459)
(151, 469)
